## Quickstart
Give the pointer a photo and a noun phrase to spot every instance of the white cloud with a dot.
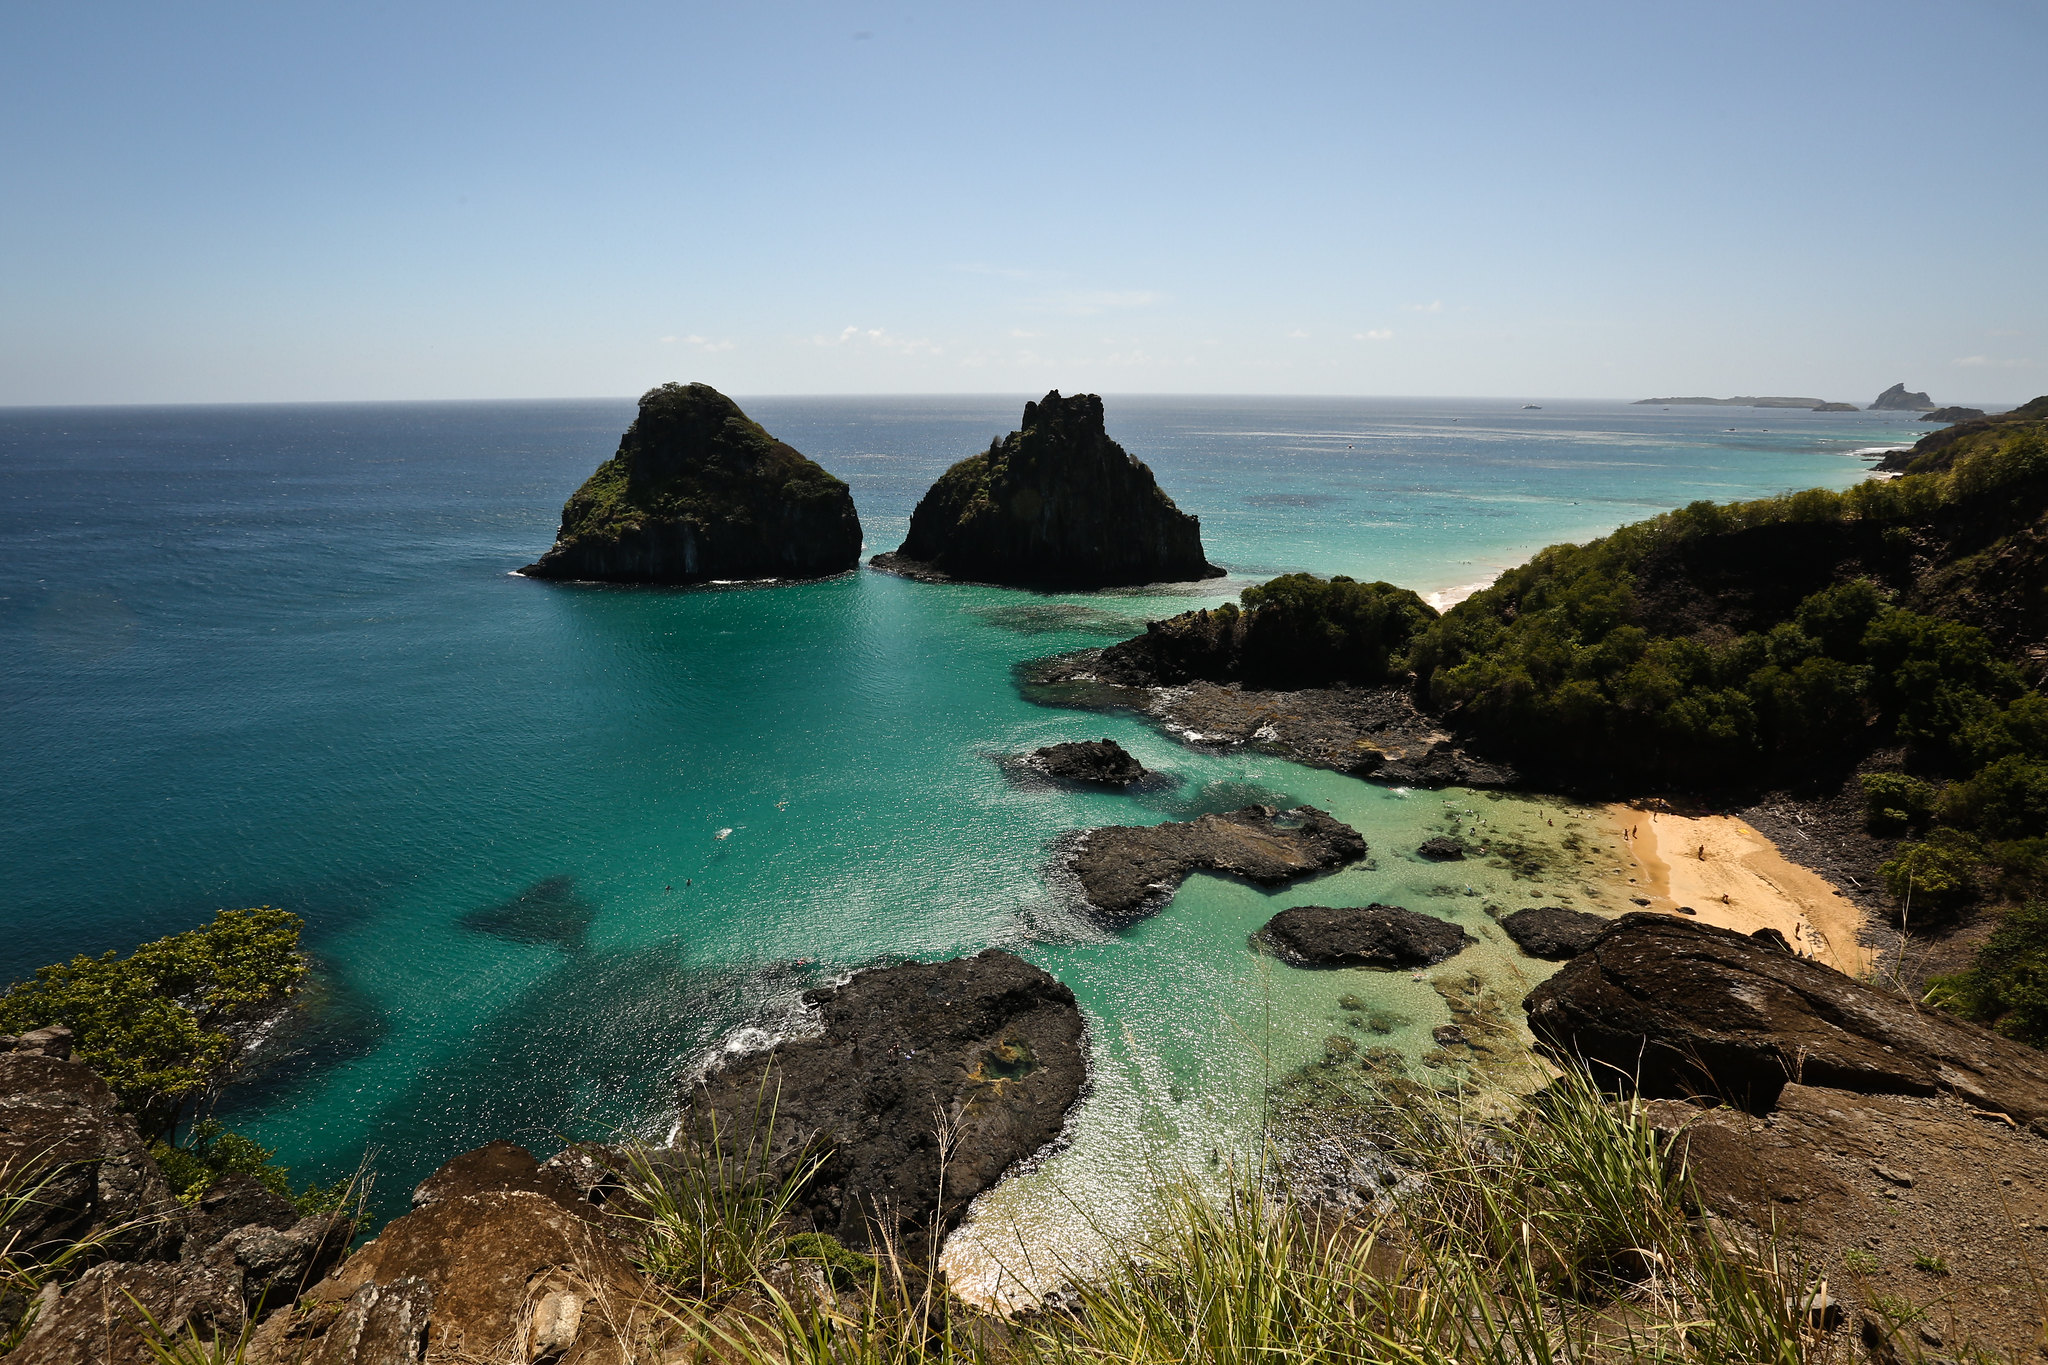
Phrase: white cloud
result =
(1018, 333)
(697, 343)
(1377, 334)
(878, 338)
(1297, 334)
(1082, 303)
(1985, 362)
(1433, 306)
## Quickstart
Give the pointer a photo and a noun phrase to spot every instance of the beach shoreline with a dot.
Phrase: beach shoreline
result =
(1730, 875)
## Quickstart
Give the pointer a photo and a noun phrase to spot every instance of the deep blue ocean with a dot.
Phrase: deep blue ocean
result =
(554, 842)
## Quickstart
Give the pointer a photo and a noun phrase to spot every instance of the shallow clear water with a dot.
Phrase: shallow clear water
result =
(275, 655)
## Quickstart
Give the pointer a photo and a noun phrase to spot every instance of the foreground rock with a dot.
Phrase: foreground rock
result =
(1056, 503)
(1687, 1009)
(1553, 932)
(1897, 399)
(476, 1272)
(1370, 732)
(210, 1269)
(989, 1047)
(1126, 870)
(698, 491)
(1383, 936)
(1102, 761)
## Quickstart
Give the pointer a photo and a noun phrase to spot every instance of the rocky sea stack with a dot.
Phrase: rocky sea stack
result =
(1897, 399)
(699, 491)
(1055, 503)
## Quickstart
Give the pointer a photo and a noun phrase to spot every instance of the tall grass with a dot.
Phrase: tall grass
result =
(1562, 1235)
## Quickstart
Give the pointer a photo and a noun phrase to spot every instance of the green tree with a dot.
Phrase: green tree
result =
(156, 1024)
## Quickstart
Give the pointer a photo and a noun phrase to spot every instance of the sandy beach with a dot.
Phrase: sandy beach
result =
(1729, 874)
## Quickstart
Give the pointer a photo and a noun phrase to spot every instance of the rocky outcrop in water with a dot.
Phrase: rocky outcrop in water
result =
(1688, 1009)
(1382, 936)
(1101, 761)
(1953, 415)
(987, 1048)
(1553, 932)
(1897, 399)
(1056, 503)
(698, 491)
(1441, 849)
(1127, 870)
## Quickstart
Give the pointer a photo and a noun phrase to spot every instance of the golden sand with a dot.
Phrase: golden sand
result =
(1732, 876)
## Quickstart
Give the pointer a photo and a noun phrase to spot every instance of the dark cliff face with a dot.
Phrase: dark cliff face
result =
(1055, 503)
(699, 491)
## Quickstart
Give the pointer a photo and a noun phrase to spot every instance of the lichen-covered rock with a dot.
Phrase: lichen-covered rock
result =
(1127, 870)
(97, 1322)
(987, 1048)
(699, 491)
(1382, 936)
(1056, 503)
(485, 1276)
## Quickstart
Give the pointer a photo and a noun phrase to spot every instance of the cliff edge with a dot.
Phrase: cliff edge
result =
(1055, 503)
(699, 491)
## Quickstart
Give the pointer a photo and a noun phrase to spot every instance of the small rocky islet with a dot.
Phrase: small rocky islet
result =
(1385, 937)
(698, 492)
(1096, 762)
(1055, 504)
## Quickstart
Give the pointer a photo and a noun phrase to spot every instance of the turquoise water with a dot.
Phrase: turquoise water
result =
(275, 655)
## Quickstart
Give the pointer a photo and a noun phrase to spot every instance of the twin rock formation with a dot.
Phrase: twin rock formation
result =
(698, 492)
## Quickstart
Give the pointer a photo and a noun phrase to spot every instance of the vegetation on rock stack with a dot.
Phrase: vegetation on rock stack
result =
(1054, 503)
(159, 1024)
(1297, 630)
(697, 491)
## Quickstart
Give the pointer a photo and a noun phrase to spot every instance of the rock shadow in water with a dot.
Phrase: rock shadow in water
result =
(1055, 618)
(549, 913)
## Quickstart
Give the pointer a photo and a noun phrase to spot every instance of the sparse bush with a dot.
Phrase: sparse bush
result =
(1895, 802)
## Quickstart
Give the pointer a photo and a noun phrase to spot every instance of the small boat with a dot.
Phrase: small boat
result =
(1532, 407)
(723, 834)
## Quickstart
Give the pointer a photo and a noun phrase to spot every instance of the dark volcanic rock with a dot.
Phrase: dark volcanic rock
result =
(1375, 935)
(699, 491)
(1553, 932)
(60, 1119)
(1896, 399)
(498, 1165)
(1953, 415)
(1089, 760)
(1442, 849)
(1689, 1009)
(989, 1044)
(1056, 503)
(1124, 869)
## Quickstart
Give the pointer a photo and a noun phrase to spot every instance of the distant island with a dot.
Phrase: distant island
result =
(1897, 399)
(1749, 401)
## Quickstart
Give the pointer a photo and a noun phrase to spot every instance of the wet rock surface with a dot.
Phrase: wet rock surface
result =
(1126, 871)
(1056, 503)
(1100, 761)
(1370, 732)
(1383, 936)
(698, 491)
(1553, 932)
(987, 1047)
(1442, 849)
(1688, 1009)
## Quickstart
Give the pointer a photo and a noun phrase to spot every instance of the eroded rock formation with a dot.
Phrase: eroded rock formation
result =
(1382, 936)
(1101, 761)
(1553, 932)
(1127, 870)
(698, 491)
(1897, 399)
(1056, 503)
(981, 1055)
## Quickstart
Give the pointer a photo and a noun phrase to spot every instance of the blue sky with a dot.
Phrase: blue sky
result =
(211, 202)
